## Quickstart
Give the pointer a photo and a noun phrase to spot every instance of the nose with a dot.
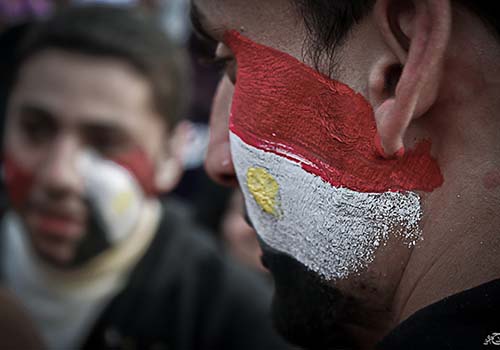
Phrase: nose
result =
(218, 162)
(58, 174)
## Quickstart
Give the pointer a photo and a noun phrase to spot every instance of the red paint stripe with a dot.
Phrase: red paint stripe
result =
(141, 167)
(18, 181)
(280, 105)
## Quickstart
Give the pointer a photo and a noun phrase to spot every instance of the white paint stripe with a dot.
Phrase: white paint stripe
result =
(332, 231)
(114, 192)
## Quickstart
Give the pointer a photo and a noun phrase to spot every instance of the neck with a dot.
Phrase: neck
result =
(452, 268)
(460, 225)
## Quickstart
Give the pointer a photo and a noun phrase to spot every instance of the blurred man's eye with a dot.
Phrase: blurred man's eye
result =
(107, 144)
(37, 129)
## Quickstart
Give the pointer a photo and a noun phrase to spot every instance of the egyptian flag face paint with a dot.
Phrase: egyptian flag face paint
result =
(114, 191)
(304, 152)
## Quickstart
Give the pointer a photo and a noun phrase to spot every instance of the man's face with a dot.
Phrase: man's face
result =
(76, 123)
(336, 239)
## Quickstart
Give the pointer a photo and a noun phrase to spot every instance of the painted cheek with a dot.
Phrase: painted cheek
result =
(113, 192)
(282, 106)
(18, 181)
(332, 231)
(140, 166)
(305, 155)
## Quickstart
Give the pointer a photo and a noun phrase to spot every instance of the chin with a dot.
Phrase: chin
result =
(55, 254)
(306, 311)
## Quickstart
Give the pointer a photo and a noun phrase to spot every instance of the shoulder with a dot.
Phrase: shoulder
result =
(196, 253)
(16, 329)
(466, 320)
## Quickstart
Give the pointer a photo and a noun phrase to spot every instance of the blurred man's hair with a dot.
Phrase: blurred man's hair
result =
(120, 33)
(328, 22)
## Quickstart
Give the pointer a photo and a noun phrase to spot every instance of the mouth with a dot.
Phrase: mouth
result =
(55, 223)
(269, 254)
(279, 264)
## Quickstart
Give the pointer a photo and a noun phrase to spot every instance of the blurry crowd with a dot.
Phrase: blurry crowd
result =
(112, 235)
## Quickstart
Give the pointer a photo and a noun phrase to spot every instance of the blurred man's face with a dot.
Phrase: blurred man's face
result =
(82, 137)
(336, 223)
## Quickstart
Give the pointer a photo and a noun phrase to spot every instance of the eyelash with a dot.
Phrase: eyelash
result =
(37, 132)
(219, 63)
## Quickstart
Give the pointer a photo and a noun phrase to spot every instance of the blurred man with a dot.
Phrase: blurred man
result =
(94, 257)
(364, 135)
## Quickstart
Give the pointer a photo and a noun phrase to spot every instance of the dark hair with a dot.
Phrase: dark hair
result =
(328, 22)
(116, 32)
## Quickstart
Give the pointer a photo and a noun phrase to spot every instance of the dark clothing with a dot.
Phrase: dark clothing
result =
(184, 295)
(467, 321)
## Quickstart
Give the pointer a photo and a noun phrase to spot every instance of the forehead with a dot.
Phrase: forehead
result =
(275, 23)
(75, 86)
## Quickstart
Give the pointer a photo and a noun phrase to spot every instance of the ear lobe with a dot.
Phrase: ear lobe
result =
(168, 175)
(416, 33)
(170, 168)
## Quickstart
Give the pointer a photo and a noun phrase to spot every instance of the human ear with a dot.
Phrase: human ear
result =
(169, 167)
(405, 81)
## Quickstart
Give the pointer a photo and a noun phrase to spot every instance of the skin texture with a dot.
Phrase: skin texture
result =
(446, 92)
(63, 104)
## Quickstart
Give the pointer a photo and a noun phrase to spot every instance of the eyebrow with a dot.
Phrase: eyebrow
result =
(197, 19)
(102, 127)
(90, 125)
(34, 109)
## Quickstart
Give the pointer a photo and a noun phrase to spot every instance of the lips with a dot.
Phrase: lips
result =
(55, 224)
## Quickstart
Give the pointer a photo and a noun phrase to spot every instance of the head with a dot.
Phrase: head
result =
(364, 137)
(92, 108)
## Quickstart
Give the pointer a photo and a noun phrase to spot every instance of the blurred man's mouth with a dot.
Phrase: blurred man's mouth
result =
(55, 223)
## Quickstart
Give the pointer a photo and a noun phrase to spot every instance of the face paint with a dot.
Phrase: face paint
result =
(139, 165)
(114, 191)
(323, 194)
(18, 181)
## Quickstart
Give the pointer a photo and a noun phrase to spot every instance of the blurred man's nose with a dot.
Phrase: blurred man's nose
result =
(58, 173)
(218, 163)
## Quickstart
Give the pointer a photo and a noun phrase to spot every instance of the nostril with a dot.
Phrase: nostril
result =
(218, 163)
(223, 175)
(228, 180)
